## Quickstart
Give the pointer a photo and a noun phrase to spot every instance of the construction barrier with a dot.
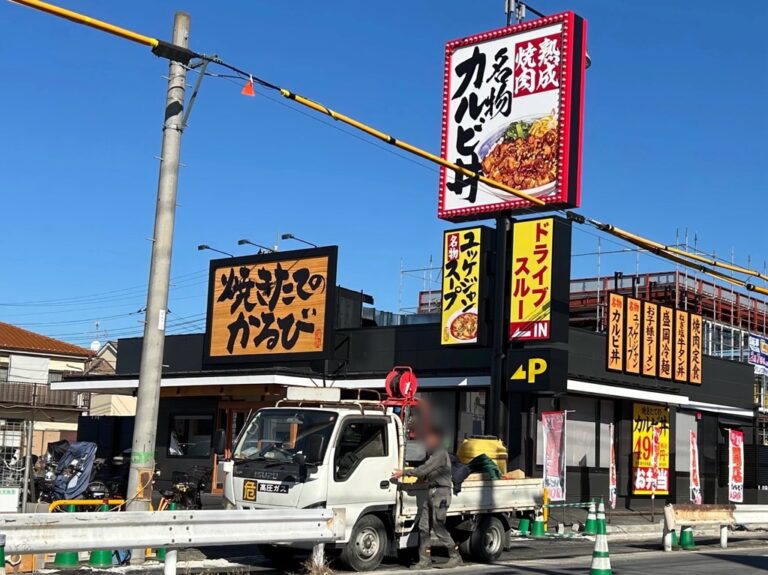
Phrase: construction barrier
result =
(689, 516)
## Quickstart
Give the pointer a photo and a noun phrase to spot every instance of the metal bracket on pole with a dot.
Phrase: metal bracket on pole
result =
(195, 90)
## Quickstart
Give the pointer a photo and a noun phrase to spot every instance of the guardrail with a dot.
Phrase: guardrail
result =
(723, 516)
(82, 531)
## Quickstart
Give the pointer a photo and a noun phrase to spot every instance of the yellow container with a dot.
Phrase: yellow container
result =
(488, 444)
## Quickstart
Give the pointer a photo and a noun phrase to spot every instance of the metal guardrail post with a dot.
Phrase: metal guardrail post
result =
(724, 537)
(169, 567)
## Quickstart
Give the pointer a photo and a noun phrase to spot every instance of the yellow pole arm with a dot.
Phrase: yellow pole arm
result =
(408, 147)
(92, 22)
(679, 257)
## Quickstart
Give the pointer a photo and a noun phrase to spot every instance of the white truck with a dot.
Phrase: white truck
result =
(341, 454)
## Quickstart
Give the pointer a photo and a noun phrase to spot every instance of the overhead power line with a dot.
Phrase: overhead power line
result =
(184, 55)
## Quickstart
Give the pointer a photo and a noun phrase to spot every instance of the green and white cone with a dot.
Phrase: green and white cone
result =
(539, 527)
(601, 560)
(590, 527)
(686, 539)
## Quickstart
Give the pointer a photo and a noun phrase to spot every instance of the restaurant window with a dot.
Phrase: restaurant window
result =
(471, 414)
(684, 424)
(190, 436)
(606, 419)
(581, 443)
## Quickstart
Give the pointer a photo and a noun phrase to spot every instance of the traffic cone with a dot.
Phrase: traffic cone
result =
(66, 558)
(674, 539)
(686, 539)
(161, 550)
(601, 560)
(101, 557)
(524, 527)
(590, 527)
(539, 527)
(2, 554)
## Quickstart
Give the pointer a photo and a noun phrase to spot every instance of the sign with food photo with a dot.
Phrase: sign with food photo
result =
(462, 303)
(512, 109)
(271, 305)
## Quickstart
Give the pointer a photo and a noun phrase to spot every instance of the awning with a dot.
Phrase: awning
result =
(128, 386)
(656, 397)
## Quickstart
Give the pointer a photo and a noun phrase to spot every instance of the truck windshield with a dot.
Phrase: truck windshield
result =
(280, 434)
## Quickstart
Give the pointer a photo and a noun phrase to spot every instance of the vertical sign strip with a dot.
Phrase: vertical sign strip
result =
(735, 466)
(695, 480)
(696, 348)
(462, 282)
(650, 338)
(633, 336)
(680, 362)
(615, 339)
(612, 469)
(553, 434)
(530, 315)
(666, 342)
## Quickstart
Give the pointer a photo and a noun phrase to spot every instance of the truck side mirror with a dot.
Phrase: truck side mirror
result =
(219, 439)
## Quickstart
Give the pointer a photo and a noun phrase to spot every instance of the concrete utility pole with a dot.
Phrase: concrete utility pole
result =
(143, 455)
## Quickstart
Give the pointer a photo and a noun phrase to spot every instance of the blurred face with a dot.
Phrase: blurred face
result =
(432, 441)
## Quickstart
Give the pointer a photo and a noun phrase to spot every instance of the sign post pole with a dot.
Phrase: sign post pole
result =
(148, 397)
(496, 406)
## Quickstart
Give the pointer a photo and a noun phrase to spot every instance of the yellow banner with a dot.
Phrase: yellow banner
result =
(633, 336)
(615, 351)
(460, 317)
(697, 348)
(650, 338)
(666, 351)
(681, 346)
(646, 418)
(530, 313)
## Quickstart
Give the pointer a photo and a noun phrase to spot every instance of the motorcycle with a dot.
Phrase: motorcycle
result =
(187, 488)
(71, 475)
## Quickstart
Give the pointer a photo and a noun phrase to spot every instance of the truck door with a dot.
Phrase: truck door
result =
(364, 456)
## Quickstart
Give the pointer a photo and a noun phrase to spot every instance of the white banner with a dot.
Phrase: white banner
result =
(612, 471)
(735, 466)
(695, 481)
(553, 433)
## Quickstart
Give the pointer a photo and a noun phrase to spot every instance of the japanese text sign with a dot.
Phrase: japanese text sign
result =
(633, 336)
(650, 338)
(681, 349)
(615, 352)
(277, 304)
(464, 254)
(666, 342)
(696, 348)
(512, 109)
(650, 459)
(735, 466)
(758, 354)
(539, 280)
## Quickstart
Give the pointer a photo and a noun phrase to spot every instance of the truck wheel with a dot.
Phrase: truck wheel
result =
(367, 545)
(487, 541)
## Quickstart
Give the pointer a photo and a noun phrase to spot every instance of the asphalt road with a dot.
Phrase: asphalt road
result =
(748, 555)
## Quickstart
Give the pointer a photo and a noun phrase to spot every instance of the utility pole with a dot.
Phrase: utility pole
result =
(143, 454)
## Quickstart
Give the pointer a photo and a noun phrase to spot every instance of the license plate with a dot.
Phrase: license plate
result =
(249, 490)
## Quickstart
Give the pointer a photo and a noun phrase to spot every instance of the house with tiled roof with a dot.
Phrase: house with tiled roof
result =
(29, 362)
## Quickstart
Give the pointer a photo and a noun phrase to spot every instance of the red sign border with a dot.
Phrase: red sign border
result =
(569, 169)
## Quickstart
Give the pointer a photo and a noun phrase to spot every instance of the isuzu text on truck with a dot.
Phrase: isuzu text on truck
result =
(315, 450)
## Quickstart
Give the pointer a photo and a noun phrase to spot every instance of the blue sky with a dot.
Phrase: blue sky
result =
(674, 138)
